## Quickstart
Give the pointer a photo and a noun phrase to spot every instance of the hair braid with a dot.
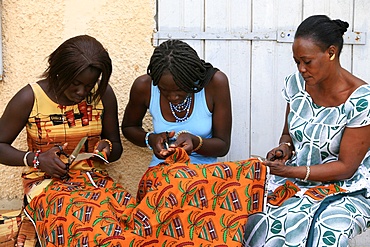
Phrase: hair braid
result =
(189, 71)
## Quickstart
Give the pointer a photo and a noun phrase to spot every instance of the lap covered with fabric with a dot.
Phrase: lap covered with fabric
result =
(179, 202)
(323, 216)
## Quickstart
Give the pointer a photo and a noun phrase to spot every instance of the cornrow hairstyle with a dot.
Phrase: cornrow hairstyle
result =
(324, 31)
(72, 57)
(189, 71)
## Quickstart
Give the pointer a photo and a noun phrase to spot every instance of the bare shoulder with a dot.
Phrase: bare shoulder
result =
(219, 84)
(219, 79)
(20, 105)
(24, 97)
(142, 84)
(140, 91)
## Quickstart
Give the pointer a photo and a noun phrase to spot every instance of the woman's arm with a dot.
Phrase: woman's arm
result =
(354, 145)
(135, 111)
(219, 102)
(285, 149)
(110, 128)
(12, 122)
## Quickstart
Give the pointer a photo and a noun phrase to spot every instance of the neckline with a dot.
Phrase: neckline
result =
(340, 105)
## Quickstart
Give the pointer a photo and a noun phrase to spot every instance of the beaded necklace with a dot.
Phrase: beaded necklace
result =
(181, 107)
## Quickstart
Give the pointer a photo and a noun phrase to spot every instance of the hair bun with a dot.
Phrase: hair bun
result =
(343, 25)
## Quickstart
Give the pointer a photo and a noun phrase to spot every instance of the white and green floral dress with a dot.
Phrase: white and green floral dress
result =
(316, 132)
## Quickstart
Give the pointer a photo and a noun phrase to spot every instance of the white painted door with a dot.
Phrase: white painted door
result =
(250, 40)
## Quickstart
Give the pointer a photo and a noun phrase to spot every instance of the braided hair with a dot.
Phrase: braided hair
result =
(189, 71)
(323, 30)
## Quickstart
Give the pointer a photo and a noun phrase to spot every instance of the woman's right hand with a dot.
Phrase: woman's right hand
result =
(51, 164)
(158, 144)
(279, 153)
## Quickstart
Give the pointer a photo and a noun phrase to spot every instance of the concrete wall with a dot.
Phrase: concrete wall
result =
(31, 30)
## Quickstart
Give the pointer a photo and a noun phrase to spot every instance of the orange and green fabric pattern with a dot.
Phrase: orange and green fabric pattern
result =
(178, 204)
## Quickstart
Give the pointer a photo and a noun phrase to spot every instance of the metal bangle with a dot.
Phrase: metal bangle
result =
(109, 142)
(199, 145)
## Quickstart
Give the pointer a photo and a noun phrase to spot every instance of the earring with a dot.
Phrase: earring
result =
(332, 57)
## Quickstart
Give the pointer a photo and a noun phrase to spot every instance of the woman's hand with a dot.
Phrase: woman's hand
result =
(277, 167)
(51, 164)
(280, 153)
(185, 141)
(159, 143)
(105, 146)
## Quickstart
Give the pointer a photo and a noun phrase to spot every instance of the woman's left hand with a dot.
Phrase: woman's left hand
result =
(103, 146)
(184, 141)
(277, 167)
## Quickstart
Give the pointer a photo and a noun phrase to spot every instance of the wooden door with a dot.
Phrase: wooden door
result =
(250, 40)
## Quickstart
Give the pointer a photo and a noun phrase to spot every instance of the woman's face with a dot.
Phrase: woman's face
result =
(312, 62)
(170, 90)
(82, 85)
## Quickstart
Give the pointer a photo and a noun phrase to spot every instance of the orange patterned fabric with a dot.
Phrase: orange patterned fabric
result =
(282, 193)
(289, 189)
(179, 204)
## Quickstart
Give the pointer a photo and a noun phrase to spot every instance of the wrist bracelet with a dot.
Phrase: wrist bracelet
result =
(109, 142)
(289, 145)
(36, 161)
(181, 132)
(25, 158)
(285, 143)
(147, 139)
(199, 145)
(308, 172)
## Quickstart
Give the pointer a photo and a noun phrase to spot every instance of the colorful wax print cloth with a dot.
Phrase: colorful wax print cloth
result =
(313, 213)
(181, 204)
(202, 205)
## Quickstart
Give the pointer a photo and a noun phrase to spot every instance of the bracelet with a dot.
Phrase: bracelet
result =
(109, 142)
(36, 161)
(289, 145)
(181, 132)
(199, 145)
(308, 172)
(147, 139)
(285, 143)
(25, 158)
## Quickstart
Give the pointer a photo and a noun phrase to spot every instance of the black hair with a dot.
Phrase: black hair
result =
(72, 57)
(324, 31)
(189, 71)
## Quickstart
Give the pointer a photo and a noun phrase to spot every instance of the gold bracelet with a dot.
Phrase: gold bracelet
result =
(109, 142)
(199, 145)
(308, 172)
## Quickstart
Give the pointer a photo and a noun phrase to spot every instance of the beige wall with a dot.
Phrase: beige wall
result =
(31, 30)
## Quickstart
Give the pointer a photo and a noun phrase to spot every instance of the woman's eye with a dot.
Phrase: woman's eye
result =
(89, 85)
(307, 62)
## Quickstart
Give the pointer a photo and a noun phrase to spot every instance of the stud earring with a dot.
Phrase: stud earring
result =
(332, 57)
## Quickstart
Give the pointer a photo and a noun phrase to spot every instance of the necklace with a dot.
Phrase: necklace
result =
(181, 107)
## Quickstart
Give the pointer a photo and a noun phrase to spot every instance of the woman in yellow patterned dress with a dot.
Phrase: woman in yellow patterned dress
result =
(72, 101)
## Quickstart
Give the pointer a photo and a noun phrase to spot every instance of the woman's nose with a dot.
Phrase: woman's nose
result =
(173, 97)
(301, 68)
(81, 91)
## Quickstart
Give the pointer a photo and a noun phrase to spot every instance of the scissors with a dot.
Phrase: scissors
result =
(72, 156)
